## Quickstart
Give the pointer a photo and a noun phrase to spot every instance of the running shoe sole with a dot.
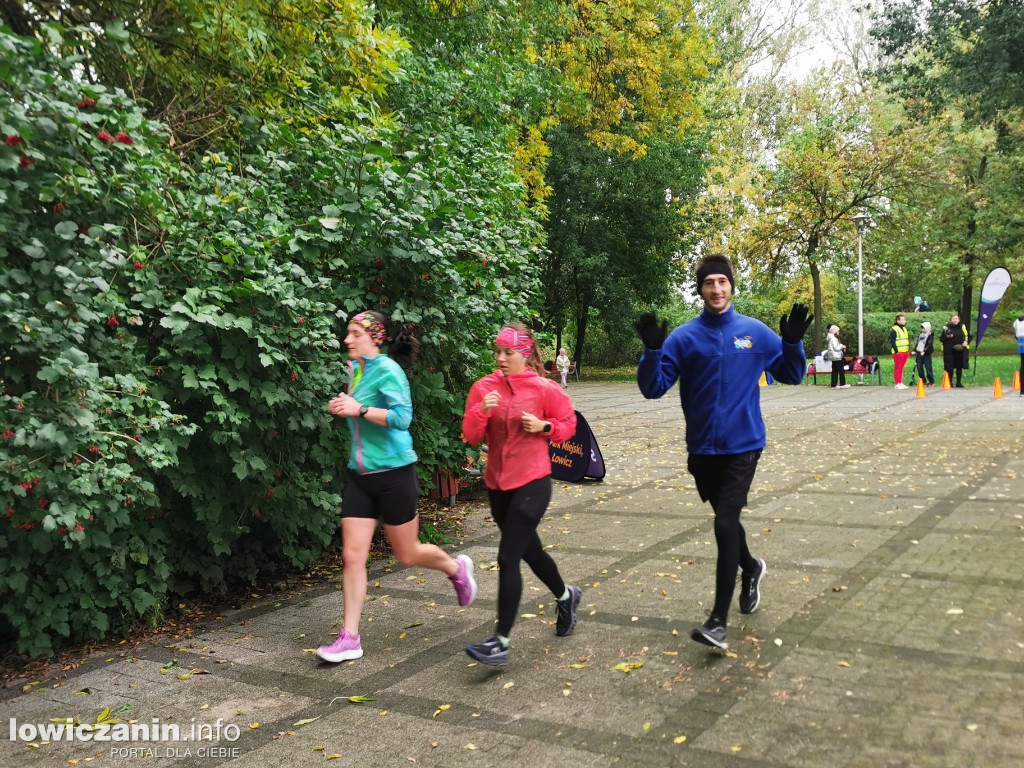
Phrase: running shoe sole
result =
(499, 660)
(704, 638)
(335, 658)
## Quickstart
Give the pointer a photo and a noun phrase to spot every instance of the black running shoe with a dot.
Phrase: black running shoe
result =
(711, 632)
(750, 594)
(567, 612)
(490, 652)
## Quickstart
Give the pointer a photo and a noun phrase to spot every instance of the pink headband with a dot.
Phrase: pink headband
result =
(513, 339)
(373, 328)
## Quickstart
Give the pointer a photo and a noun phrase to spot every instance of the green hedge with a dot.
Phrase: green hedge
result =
(170, 336)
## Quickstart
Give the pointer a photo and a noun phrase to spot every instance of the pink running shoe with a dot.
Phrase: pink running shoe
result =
(463, 581)
(345, 648)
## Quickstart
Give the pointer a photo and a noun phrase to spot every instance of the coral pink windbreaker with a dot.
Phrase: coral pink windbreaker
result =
(516, 457)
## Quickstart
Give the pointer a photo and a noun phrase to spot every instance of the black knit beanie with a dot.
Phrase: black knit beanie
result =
(714, 268)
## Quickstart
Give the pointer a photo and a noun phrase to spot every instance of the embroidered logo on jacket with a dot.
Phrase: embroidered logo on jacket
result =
(742, 343)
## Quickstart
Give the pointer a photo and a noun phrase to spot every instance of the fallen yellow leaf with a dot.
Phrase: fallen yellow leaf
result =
(678, 739)
(254, 726)
(470, 746)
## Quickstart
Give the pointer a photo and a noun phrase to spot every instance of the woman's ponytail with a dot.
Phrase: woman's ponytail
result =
(405, 347)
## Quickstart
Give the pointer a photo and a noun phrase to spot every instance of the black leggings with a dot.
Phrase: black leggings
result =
(725, 481)
(518, 513)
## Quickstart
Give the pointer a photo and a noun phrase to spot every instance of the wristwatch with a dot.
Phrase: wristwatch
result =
(362, 411)
(547, 427)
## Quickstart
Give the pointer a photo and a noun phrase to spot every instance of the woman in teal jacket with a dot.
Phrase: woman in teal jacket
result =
(382, 473)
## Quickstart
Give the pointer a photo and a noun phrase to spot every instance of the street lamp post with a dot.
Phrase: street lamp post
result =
(861, 220)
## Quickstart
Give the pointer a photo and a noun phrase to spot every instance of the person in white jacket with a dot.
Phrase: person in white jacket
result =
(562, 363)
(1018, 330)
(836, 353)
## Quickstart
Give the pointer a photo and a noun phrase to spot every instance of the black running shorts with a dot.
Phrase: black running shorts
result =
(724, 478)
(389, 496)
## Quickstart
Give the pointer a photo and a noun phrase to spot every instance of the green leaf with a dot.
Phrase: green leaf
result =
(51, 434)
(175, 323)
(115, 31)
(142, 600)
(68, 230)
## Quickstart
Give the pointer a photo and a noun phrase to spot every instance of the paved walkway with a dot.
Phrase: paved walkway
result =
(890, 634)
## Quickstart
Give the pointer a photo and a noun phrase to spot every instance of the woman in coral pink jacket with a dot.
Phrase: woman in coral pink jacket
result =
(519, 412)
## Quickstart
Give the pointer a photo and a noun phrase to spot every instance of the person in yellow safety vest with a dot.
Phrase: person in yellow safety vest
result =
(955, 353)
(899, 343)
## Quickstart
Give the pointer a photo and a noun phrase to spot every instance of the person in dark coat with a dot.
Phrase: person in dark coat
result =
(955, 352)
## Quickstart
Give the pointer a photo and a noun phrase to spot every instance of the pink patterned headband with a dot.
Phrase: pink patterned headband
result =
(375, 329)
(513, 339)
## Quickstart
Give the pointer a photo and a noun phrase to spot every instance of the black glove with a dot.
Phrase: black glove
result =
(652, 334)
(793, 328)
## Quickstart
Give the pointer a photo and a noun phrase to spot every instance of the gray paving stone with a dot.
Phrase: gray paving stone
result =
(891, 631)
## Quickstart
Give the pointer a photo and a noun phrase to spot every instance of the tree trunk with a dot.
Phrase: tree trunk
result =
(967, 297)
(812, 247)
(970, 257)
(581, 335)
(818, 314)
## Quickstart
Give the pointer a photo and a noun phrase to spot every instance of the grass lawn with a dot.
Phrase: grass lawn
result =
(982, 375)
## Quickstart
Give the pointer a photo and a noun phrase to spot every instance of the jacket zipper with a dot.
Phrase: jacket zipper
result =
(355, 425)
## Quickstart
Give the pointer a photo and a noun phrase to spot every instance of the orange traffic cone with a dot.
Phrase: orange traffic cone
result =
(945, 381)
(1016, 380)
(920, 387)
(997, 390)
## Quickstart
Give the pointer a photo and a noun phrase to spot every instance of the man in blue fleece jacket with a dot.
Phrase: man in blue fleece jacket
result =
(718, 358)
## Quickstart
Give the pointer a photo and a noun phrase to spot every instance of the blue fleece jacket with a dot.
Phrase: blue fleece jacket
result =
(718, 360)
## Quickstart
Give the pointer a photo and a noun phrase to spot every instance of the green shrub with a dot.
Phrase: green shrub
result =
(169, 335)
(84, 436)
